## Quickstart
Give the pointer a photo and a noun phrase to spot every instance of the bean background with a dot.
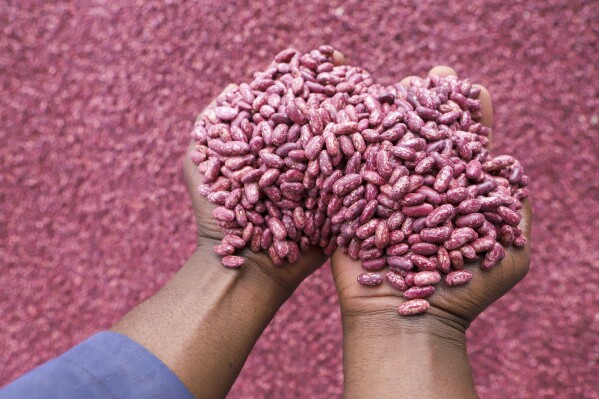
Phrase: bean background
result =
(97, 100)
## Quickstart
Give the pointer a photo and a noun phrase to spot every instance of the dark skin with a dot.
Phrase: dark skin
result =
(205, 321)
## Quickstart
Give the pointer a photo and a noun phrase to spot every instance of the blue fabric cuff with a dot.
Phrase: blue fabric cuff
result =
(107, 365)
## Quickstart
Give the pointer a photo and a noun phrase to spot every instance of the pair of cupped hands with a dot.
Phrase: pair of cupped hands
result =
(453, 307)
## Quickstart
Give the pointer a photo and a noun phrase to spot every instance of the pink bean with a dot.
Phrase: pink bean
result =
(374, 264)
(370, 279)
(232, 261)
(396, 281)
(460, 237)
(458, 277)
(426, 278)
(419, 292)
(493, 257)
(413, 307)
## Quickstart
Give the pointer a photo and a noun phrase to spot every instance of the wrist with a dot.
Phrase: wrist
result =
(387, 355)
(252, 278)
(205, 321)
(378, 315)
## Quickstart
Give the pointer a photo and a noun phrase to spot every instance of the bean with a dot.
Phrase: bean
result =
(224, 214)
(418, 210)
(396, 281)
(458, 277)
(367, 229)
(224, 249)
(493, 257)
(413, 307)
(400, 188)
(460, 237)
(370, 279)
(440, 215)
(423, 263)
(436, 234)
(381, 235)
(426, 278)
(346, 184)
(469, 206)
(444, 261)
(473, 220)
(424, 248)
(374, 264)
(419, 292)
(232, 261)
(397, 263)
(509, 216)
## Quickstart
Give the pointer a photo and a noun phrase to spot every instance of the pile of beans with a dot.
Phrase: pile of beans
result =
(313, 154)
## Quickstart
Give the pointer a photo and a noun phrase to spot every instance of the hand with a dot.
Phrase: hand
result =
(456, 306)
(388, 355)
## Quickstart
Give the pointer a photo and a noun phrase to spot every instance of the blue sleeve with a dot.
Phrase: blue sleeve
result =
(107, 365)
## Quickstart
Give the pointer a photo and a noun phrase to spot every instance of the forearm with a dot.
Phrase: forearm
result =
(204, 323)
(387, 356)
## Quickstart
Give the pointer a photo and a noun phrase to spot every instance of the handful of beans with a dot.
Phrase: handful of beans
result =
(315, 154)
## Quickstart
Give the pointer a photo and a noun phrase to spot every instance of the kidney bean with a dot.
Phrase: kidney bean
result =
(396, 281)
(473, 220)
(460, 237)
(413, 307)
(509, 216)
(443, 260)
(399, 263)
(426, 278)
(419, 292)
(487, 186)
(493, 257)
(520, 242)
(423, 263)
(424, 248)
(367, 229)
(373, 265)
(354, 196)
(413, 199)
(368, 211)
(370, 279)
(381, 235)
(440, 215)
(400, 188)
(418, 210)
(468, 252)
(458, 277)
(456, 259)
(369, 253)
(346, 184)
(224, 214)
(506, 235)
(232, 261)
(436, 234)
(224, 249)
(443, 179)
(489, 204)
(474, 170)
(469, 206)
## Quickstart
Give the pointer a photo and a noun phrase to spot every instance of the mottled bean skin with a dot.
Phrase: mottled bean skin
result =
(370, 279)
(312, 154)
(413, 307)
(458, 277)
(419, 292)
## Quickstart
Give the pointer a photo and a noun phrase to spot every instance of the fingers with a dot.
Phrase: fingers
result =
(486, 106)
(443, 71)
(189, 168)
(339, 58)
(406, 81)
(526, 222)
